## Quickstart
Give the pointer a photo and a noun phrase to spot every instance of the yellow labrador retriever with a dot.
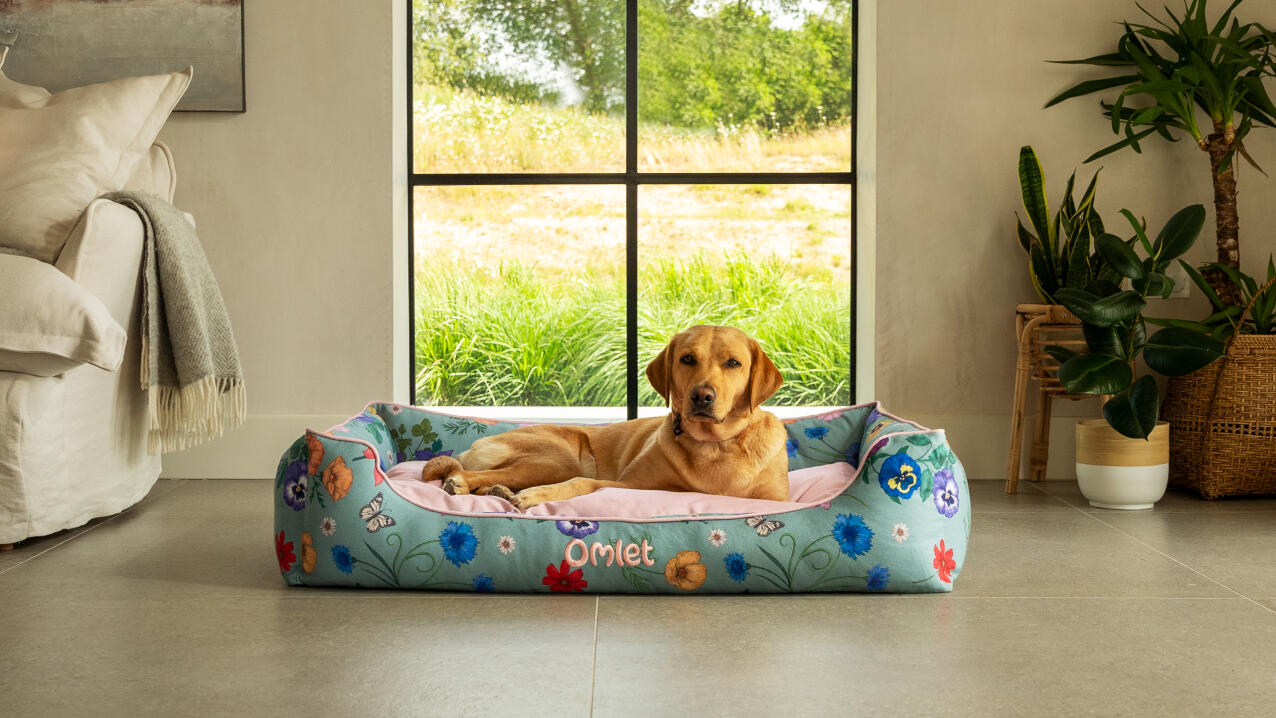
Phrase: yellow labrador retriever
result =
(715, 440)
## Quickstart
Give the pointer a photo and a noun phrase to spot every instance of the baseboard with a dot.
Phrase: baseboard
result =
(252, 451)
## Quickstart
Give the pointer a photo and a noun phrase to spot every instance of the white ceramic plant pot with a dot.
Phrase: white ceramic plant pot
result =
(1117, 472)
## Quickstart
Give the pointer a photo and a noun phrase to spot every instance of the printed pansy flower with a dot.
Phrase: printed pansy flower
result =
(717, 537)
(737, 567)
(328, 526)
(459, 543)
(577, 529)
(944, 493)
(296, 485)
(506, 544)
(900, 476)
(900, 533)
(685, 572)
(853, 535)
(427, 454)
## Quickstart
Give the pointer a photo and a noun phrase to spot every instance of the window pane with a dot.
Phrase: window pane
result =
(772, 260)
(520, 296)
(518, 86)
(744, 85)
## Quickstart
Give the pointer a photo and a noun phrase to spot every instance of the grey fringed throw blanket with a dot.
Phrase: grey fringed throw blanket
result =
(190, 365)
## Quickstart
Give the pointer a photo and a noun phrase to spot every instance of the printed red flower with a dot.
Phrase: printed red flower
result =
(563, 579)
(283, 552)
(944, 562)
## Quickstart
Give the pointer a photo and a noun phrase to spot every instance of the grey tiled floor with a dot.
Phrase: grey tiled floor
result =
(175, 608)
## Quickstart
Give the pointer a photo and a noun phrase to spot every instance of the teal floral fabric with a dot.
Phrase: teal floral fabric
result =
(900, 527)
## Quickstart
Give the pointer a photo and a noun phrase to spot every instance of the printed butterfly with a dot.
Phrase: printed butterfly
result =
(762, 526)
(371, 514)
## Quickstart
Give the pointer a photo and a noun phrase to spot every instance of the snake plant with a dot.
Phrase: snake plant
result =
(1058, 250)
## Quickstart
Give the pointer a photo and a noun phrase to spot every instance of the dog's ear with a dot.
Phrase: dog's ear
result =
(764, 378)
(660, 372)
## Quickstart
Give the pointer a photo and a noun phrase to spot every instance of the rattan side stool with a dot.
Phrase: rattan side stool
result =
(1037, 326)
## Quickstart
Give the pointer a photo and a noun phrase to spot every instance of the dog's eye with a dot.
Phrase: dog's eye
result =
(732, 363)
(687, 359)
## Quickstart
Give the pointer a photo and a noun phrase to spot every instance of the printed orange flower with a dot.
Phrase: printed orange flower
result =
(685, 572)
(944, 562)
(316, 453)
(308, 554)
(337, 478)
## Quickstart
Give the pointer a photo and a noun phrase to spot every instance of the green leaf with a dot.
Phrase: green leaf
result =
(1154, 284)
(1115, 146)
(1061, 354)
(1138, 230)
(1133, 413)
(1179, 234)
(1119, 256)
(1032, 188)
(1109, 59)
(928, 484)
(918, 440)
(1112, 309)
(1091, 86)
(1104, 340)
(1175, 351)
(1096, 374)
(1203, 285)
(1025, 239)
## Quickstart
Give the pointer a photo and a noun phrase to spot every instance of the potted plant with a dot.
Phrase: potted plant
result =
(1185, 75)
(1123, 460)
(1224, 415)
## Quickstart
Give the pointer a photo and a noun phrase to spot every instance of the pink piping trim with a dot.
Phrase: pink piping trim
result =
(660, 519)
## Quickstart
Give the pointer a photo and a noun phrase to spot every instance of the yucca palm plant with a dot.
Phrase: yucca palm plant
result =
(1184, 75)
(1059, 253)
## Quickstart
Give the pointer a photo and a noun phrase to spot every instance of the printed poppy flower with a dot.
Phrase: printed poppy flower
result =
(316, 454)
(737, 567)
(900, 533)
(900, 476)
(577, 529)
(459, 543)
(296, 485)
(308, 555)
(506, 544)
(945, 492)
(791, 446)
(852, 535)
(484, 583)
(328, 526)
(944, 562)
(685, 572)
(283, 552)
(337, 478)
(816, 432)
(717, 537)
(342, 558)
(562, 579)
(878, 577)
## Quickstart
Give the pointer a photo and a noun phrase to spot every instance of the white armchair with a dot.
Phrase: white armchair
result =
(73, 445)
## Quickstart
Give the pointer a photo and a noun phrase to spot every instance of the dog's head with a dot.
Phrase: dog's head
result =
(714, 378)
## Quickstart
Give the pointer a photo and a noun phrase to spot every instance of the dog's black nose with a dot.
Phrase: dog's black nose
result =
(702, 397)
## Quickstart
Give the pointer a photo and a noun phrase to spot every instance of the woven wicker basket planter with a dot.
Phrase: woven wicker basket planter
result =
(1224, 419)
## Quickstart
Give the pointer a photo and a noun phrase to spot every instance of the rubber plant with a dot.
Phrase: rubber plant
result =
(1185, 75)
(1059, 250)
(1116, 331)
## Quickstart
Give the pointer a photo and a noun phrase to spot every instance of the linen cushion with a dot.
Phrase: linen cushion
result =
(60, 151)
(51, 324)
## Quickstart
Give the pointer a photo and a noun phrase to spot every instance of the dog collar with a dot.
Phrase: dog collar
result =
(677, 423)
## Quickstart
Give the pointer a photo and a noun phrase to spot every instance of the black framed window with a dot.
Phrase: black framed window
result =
(590, 176)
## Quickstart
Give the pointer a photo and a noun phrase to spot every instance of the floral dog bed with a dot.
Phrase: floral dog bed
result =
(877, 503)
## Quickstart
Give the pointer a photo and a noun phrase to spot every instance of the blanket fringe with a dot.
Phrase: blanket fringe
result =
(190, 415)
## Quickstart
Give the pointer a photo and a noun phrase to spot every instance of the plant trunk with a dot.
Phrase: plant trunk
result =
(1227, 225)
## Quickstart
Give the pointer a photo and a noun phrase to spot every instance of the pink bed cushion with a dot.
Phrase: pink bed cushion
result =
(807, 487)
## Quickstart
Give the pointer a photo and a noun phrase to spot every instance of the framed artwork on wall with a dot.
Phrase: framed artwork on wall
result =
(59, 44)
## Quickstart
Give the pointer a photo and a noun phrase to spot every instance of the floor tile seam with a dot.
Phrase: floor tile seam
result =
(593, 663)
(86, 529)
(1059, 499)
(1198, 572)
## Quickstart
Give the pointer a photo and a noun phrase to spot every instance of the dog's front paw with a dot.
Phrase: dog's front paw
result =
(439, 467)
(527, 498)
(456, 486)
(500, 491)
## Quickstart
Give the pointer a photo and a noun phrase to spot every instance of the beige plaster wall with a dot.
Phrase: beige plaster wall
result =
(960, 88)
(296, 205)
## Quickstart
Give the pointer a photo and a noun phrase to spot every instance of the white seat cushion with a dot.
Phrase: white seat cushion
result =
(61, 151)
(51, 324)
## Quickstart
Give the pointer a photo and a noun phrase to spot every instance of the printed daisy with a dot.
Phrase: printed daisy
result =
(900, 532)
(328, 526)
(717, 537)
(506, 544)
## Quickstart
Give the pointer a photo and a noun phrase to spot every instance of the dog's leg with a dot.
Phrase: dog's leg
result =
(571, 488)
(448, 472)
(503, 482)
